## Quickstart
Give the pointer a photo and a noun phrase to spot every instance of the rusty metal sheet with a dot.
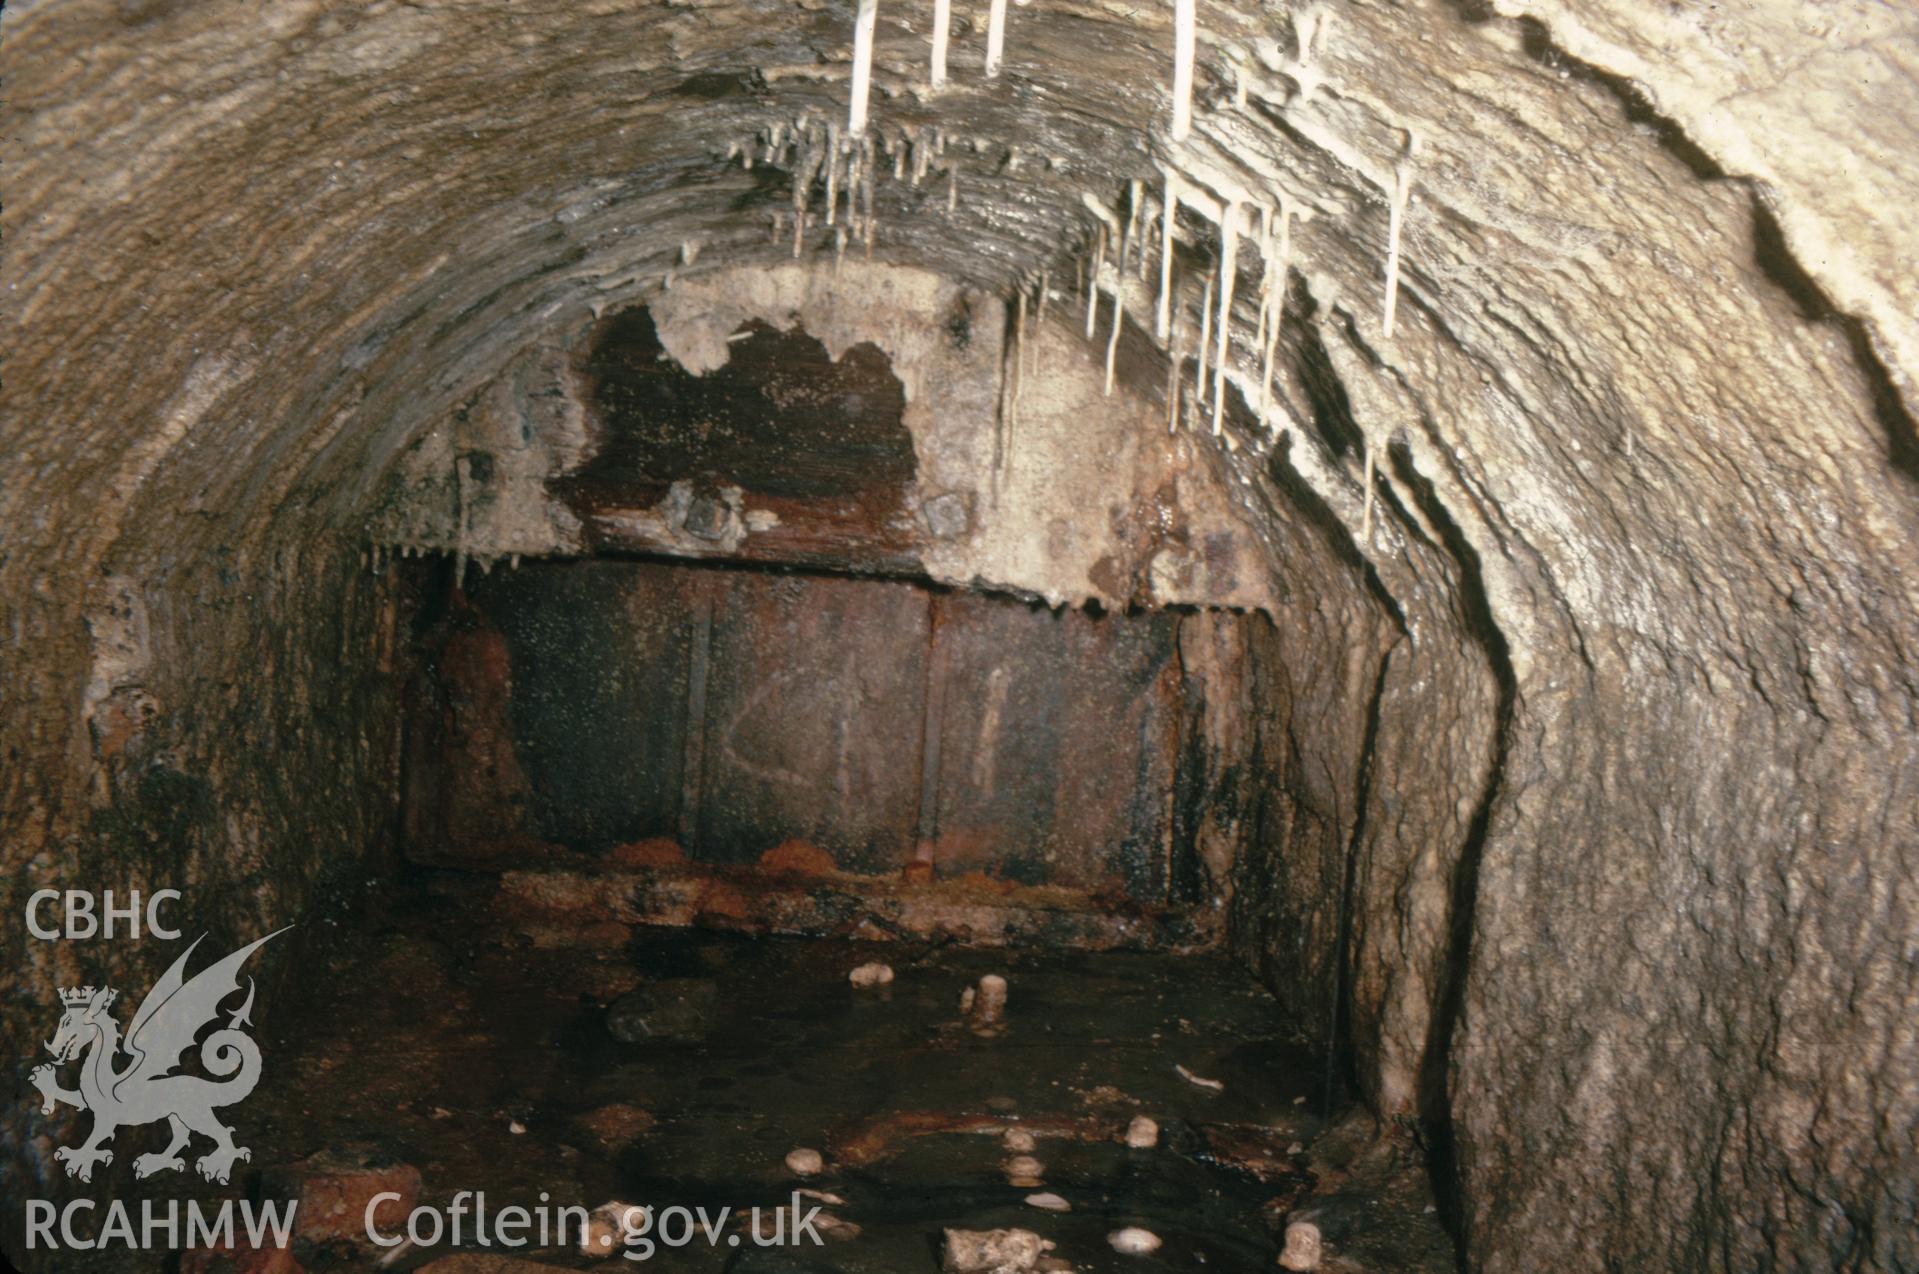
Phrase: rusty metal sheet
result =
(1058, 746)
(601, 655)
(815, 693)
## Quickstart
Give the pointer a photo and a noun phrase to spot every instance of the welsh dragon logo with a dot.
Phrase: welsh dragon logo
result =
(145, 1089)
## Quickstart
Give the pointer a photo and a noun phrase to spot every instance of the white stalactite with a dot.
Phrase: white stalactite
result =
(832, 171)
(1112, 341)
(1175, 358)
(866, 17)
(1185, 46)
(995, 38)
(942, 27)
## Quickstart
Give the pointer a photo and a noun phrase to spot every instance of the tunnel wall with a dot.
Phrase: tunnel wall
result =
(1632, 921)
(236, 739)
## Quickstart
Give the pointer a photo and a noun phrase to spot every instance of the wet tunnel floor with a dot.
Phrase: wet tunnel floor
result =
(493, 1068)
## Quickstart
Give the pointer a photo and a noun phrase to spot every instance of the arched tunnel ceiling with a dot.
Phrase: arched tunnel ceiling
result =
(1641, 499)
(435, 183)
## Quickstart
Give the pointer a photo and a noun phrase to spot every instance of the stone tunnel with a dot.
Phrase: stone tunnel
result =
(1359, 555)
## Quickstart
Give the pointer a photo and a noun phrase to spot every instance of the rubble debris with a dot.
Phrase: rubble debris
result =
(1020, 1140)
(804, 1163)
(1024, 1171)
(1142, 1133)
(1303, 1246)
(986, 1003)
(1134, 1241)
(1047, 1201)
(1199, 1081)
(869, 976)
(607, 1227)
(668, 1009)
(992, 1251)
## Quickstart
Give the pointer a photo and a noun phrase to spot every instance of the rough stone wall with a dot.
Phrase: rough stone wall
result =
(236, 740)
(1632, 867)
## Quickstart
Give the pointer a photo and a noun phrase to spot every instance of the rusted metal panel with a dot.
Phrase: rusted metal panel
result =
(601, 654)
(734, 711)
(1058, 747)
(815, 695)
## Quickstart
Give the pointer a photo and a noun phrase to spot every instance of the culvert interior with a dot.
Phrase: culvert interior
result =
(1377, 573)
